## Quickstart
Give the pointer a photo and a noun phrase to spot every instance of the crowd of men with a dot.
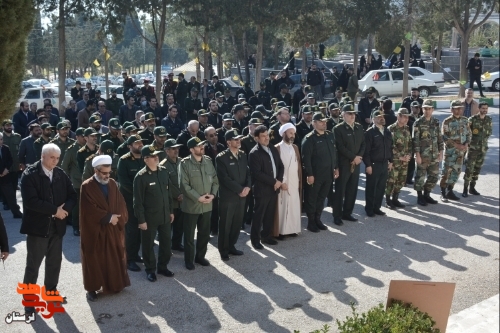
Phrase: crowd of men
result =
(123, 179)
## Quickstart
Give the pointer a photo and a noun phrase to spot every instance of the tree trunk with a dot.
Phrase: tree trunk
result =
(235, 51)
(62, 58)
(356, 55)
(260, 50)
(220, 66)
(304, 62)
(197, 57)
(245, 57)
(369, 48)
(434, 63)
(464, 55)
(106, 71)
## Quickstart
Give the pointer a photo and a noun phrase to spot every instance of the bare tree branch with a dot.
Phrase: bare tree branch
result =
(139, 30)
(486, 17)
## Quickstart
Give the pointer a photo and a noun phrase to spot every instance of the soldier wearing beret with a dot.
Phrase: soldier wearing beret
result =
(319, 159)
(128, 166)
(115, 133)
(304, 126)
(90, 147)
(147, 134)
(106, 148)
(63, 141)
(171, 163)
(234, 181)
(199, 186)
(45, 138)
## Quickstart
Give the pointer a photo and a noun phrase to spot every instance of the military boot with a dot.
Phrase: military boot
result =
(319, 224)
(388, 202)
(444, 196)
(464, 192)
(472, 189)
(451, 195)
(421, 200)
(311, 223)
(395, 200)
(428, 198)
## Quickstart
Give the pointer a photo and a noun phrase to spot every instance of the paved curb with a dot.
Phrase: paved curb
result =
(480, 318)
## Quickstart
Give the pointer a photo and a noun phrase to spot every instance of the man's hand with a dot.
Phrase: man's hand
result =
(179, 198)
(389, 167)
(4, 255)
(244, 192)
(277, 185)
(61, 213)
(114, 219)
(171, 218)
(368, 170)
(202, 199)
(418, 159)
(210, 198)
(284, 187)
(336, 174)
(22, 167)
(5, 172)
(143, 226)
(310, 180)
(357, 160)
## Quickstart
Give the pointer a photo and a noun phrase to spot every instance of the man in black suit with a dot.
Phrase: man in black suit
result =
(267, 172)
(21, 119)
(8, 192)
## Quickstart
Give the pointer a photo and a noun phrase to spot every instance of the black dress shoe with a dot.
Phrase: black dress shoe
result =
(18, 215)
(132, 266)
(202, 261)
(138, 259)
(151, 277)
(76, 232)
(370, 214)
(224, 257)
(269, 241)
(338, 221)
(293, 235)
(379, 212)
(236, 252)
(280, 237)
(179, 248)
(92, 296)
(165, 272)
(257, 246)
(350, 218)
(190, 266)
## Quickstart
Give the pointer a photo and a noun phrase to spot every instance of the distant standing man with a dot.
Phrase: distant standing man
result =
(352, 85)
(456, 136)
(315, 80)
(428, 147)
(475, 67)
(481, 126)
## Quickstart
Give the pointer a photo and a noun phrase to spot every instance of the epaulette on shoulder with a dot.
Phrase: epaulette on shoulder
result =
(90, 157)
(71, 146)
(163, 162)
(208, 157)
(222, 153)
(241, 151)
(124, 157)
(309, 134)
(142, 171)
(81, 150)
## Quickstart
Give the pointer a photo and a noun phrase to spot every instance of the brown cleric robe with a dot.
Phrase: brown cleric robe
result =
(104, 263)
(276, 226)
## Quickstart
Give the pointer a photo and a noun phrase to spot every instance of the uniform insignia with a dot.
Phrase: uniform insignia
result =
(90, 157)
(124, 157)
(81, 150)
(475, 131)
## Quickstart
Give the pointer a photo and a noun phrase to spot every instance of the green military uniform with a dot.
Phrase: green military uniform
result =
(88, 170)
(83, 153)
(122, 149)
(113, 105)
(63, 145)
(114, 123)
(233, 174)
(38, 145)
(401, 147)
(128, 167)
(147, 136)
(481, 130)
(428, 141)
(196, 179)
(455, 130)
(319, 158)
(247, 143)
(190, 105)
(153, 206)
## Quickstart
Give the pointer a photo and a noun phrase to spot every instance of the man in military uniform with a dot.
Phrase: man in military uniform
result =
(366, 106)
(456, 136)
(115, 133)
(304, 126)
(199, 186)
(402, 151)
(160, 135)
(123, 148)
(147, 134)
(95, 123)
(154, 212)
(106, 148)
(43, 139)
(322, 108)
(338, 97)
(428, 147)
(12, 140)
(62, 140)
(319, 158)
(416, 112)
(203, 119)
(234, 179)
(90, 148)
(171, 163)
(334, 118)
(227, 125)
(247, 144)
(114, 103)
(481, 126)
(128, 166)
(191, 105)
(70, 166)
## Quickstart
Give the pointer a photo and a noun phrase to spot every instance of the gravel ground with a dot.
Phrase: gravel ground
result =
(300, 284)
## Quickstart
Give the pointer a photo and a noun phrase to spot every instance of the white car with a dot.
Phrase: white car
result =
(420, 73)
(389, 82)
(119, 90)
(38, 94)
(492, 82)
(39, 82)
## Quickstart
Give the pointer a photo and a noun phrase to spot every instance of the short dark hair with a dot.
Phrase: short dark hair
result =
(90, 102)
(48, 104)
(40, 111)
(173, 106)
(483, 103)
(477, 54)
(260, 129)
(22, 104)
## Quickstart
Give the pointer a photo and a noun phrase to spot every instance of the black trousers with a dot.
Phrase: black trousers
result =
(214, 218)
(249, 204)
(346, 190)
(177, 228)
(411, 170)
(263, 217)
(232, 212)
(315, 195)
(9, 194)
(51, 249)
(132, 232)
(477, 79)
(375, 186)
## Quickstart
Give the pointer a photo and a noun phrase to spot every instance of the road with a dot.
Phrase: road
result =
(300, 284)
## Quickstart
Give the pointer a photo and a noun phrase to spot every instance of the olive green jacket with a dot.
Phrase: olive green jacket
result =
(173, 176)
(88, 170)
(13, 141)
(70, 165)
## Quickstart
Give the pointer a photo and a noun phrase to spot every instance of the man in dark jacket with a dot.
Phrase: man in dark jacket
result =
(8, 191)
(366, 106)
(475, 67)
(48, 196)
(172, 122)
(22, 118)
(267, 171)
(192, 130)
(77, 91)
(315, 80)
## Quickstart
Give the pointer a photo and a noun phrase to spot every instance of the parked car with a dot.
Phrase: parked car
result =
(492, 82)
(70, 83)
(119, 90)
(389, 82)
(26, 85)
(421, 73)
(39, 82)
(38, 94)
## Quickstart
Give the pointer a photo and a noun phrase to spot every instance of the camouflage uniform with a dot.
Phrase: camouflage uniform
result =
(481, 130)
(428, 141)
(401, 146)
(454, 130)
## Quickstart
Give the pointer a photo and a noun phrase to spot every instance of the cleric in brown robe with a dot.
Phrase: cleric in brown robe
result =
(103, 214)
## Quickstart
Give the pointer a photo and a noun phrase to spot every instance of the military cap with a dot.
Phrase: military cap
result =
(149, 116)
(370, 90)
(149, 150)
(227, 117)
(171, 143)
(62, 125)
(133, 138)
(218, 95)
(241, 96)
(283, 86)
(428, 103)
(415, 104)
(383, 98)
(46, 125)
(319, 116)
(107, 147)
(130, 129)
(333, 106)
(95, 119)
(310, 95)
(232, 134)
(403, 112)
(281, 104)
(80, 131)
(227, 90)
(274, 100)
(89, 131)
(307, 109)
(202, 112)
(160, 131)
(127, 124)
(322, 105)
(456, 104)
(193, 142)
(114, 123)
(307, 88)
(194, 89)
(238, 107)
(348, 108)
(260, 114)
(7, 121)
(377, 112)
(255, 121)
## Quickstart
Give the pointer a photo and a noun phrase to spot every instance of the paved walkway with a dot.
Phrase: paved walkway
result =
(480, 318)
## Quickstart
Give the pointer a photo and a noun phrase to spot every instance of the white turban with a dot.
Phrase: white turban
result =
(101, 160)
(286, 127)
